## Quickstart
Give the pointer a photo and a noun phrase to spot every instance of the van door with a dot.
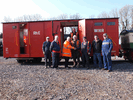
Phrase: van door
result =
(82, 29)
(11, 40)
(36, 39)
(24, 39)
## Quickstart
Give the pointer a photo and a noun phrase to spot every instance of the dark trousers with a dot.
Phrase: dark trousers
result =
(85, 59)
(55, 59)
(48, 57)
(66, 61)
(95, 57)
(75, 55)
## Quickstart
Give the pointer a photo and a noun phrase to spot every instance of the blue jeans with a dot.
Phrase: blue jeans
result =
(95, 57)
(107, 61)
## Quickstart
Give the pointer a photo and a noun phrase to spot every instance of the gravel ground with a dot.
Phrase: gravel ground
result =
(35, 82)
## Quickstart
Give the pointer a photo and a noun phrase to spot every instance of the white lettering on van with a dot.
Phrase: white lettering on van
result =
(36, 32)
(98, 30)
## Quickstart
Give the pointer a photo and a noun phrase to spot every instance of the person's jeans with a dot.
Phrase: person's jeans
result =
(55, 59)
(66, 61)
(85, 59)
(95, 57)
(48, 56)
(107, 61)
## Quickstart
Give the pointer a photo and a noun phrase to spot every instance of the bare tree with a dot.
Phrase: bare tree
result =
(37, 17)
(91, 16)
(114, 13)
(34, 17)
(62, 16)
(132, 18)
(126, 17)
(103, 15)
(75, 16)
(7, 19)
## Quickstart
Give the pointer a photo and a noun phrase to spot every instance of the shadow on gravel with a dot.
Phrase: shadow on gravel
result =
(122, 66)
(61, 65)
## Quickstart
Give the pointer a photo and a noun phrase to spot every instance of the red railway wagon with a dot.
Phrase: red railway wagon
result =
(23, 40)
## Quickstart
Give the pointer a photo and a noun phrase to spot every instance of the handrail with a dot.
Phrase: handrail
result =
(29, 39)
(16, 38)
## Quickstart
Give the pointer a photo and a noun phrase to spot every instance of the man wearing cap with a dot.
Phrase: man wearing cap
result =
(55, 49)
(76, 53)
(46, 51)
(96, 45)
(66, 52)
(85, 49)
(107, 46)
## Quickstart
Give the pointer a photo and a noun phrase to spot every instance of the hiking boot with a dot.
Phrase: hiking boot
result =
(109, 70)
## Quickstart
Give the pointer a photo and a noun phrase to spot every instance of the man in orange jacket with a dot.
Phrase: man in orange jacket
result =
(67, 51)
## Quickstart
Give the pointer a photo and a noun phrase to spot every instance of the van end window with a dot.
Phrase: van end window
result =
(110, 23)
(98, 24)
(14, 27)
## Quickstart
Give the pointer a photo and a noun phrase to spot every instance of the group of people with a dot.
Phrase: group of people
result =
(73, 48)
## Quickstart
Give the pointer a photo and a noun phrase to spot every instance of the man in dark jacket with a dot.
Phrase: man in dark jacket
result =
(97, 44)
(85, 49)
(55, 49)
(46, 51)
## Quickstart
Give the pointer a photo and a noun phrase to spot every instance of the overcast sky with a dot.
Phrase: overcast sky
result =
(53, 8)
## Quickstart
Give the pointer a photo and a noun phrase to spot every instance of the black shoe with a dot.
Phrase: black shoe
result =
(109, 70)
(100, 68)
(94, 67)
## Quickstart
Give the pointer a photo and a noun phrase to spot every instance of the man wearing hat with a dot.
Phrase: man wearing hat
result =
(85, 49)
(46, 51)
(107, 46)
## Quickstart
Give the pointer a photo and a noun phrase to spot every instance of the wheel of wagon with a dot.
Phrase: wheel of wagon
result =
(20, 61)
(37, 60)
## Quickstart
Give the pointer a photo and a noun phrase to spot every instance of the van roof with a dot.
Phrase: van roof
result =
(63, 19)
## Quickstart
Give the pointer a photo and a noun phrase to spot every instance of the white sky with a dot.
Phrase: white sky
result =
(16, 8)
